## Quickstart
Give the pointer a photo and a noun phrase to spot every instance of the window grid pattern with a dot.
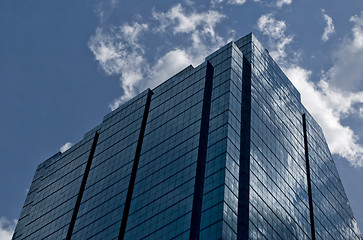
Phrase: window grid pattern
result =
(220, 204)
(278, 184)
(53, 195)
(104, 196)
(332, 212)
(162, 199)
(163, 194)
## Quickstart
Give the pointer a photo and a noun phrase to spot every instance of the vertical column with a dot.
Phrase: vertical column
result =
(83, 185)
(308, 178)
(202, 154)
(134, 167)
(244, 171)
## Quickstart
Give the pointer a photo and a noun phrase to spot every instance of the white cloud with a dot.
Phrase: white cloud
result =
(268, 25)
(347, 71)
(168, 65)
(230, 2)
(274, 3)
(165, 67)
(199, 28)
(357, 30)
(119, 50)
(328, 104)
(237, 2)
(189, 2)
(361, 112)
(280, 3)
(65, 147)
(329, 29)
(275, 30)
(181, 22)
(7, 228)
(117, 47)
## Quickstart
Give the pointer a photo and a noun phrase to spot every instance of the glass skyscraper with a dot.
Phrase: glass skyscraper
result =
(224, 150)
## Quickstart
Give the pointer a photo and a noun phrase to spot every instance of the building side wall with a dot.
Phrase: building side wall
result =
(104, 197)
(278, 184)
(162, 201)
(333, 216)
(220, 197)
(52, 196)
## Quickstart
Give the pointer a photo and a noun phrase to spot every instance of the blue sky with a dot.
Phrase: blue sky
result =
(65, 64)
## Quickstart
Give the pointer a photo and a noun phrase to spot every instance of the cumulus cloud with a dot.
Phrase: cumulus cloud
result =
(168, 65)
(237, 2)
(280, 3)
(230, 2)
(199, 25)
(275, 30)
(7, 228)
(329, 29)
(328, 104)
(347, 71)
(274, 3)
(65, 147)
(119, 50)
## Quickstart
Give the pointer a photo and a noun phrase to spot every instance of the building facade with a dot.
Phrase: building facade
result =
(224, 150)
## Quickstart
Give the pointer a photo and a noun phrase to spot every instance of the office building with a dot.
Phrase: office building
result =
(224, 150)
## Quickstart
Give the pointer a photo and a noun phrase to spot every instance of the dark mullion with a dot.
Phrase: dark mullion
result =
(134, 168)
(83, 185)
(202, 155)
(308, 178)
(244, 169)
